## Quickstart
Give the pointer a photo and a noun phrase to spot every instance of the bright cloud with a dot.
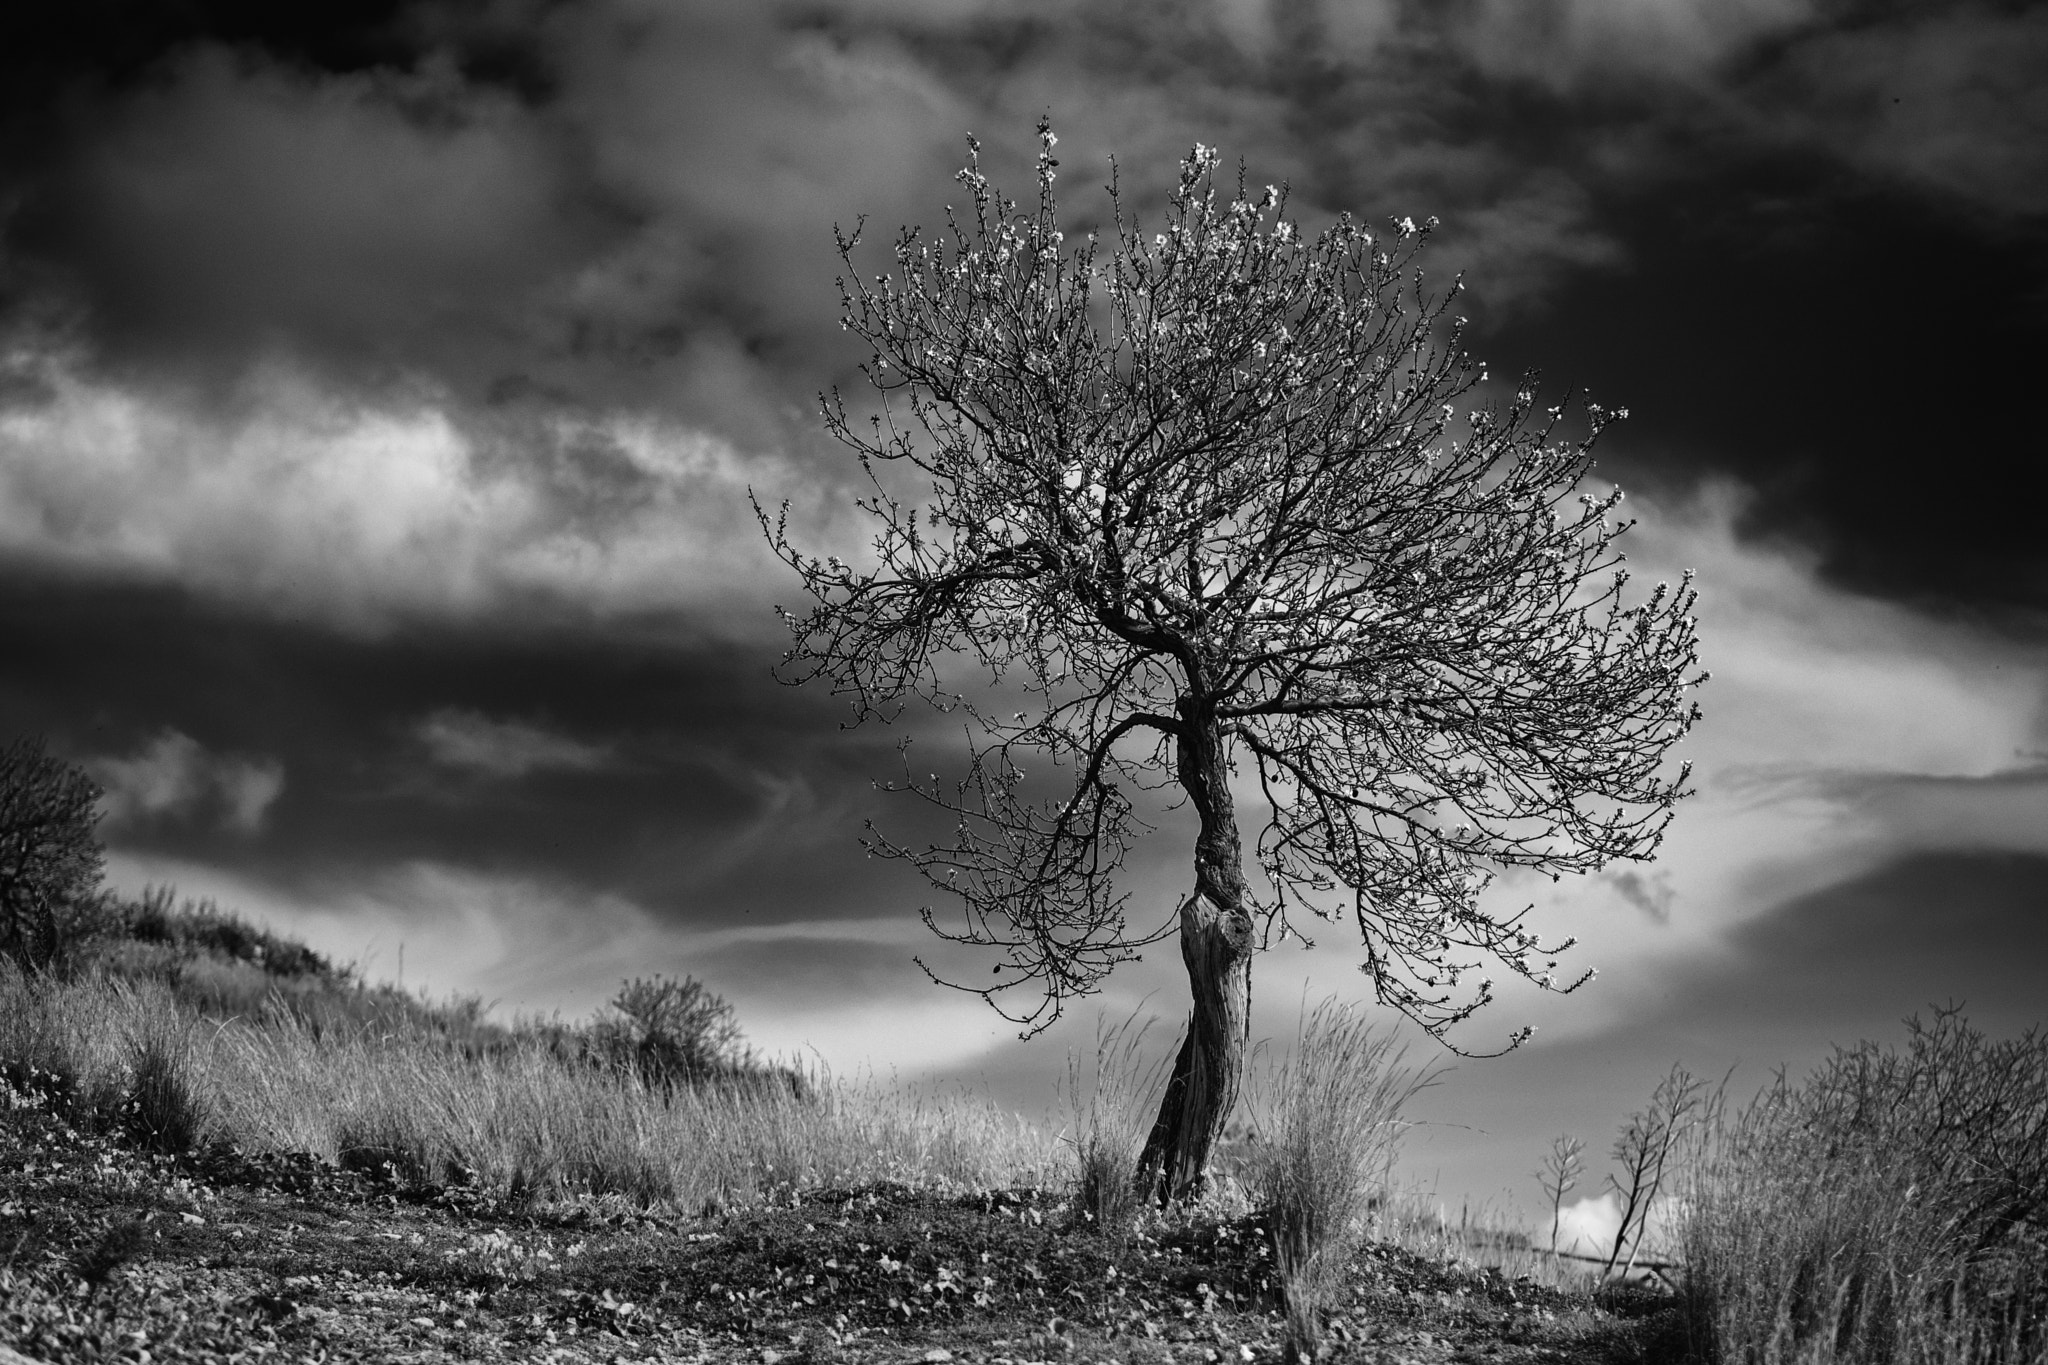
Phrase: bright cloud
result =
(1587, 1227)
(1838, 731)
(175, 777)
(299, 500)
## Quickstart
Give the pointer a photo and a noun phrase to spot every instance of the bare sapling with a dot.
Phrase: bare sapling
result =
(1559, 1176)
(1644, 1151)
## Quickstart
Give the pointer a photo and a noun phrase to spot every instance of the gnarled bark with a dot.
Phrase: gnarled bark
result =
(1216, 945)
(1202, 1090)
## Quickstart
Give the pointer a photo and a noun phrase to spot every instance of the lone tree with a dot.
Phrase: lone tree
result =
(1200, 503)
(48, 853)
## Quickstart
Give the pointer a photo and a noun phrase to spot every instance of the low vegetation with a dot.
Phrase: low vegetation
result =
(1327, 1124)
(216, 1144)
(175, 1040)
(1890, 1207)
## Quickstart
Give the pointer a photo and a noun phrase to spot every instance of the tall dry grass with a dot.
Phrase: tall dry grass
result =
(1892, 1207)
(1110, 1095)
(519, 1120)
(1327, 1124)
(115, 1055)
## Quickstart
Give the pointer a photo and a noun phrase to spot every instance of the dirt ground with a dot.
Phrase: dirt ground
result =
(110, 1254)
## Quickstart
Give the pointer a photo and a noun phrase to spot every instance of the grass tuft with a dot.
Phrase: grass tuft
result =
(164, 1112)
(1109, 1102)
(1327, 1127)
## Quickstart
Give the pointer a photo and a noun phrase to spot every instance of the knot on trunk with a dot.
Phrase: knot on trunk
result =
(1237, 929)
(1203, 920)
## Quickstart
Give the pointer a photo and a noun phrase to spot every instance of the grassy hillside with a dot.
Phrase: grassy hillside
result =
(217, 1145)
(185, 1028)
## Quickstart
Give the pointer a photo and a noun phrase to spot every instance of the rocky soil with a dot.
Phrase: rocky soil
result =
(108, 1253)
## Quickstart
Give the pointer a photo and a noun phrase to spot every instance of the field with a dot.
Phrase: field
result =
(215, 1145)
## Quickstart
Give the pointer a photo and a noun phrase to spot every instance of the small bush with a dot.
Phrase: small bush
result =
(1893, 1207)
(198, 931)
(671, 1033)
(115, 1246)
(1327, 1124)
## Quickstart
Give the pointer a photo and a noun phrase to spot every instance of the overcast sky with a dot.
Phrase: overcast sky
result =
(380, 385)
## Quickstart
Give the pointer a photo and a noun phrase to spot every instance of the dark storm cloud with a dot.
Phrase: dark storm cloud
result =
(381, 223)
(1850, 352)
(681, 778)
(648, 226)
(1648, 892)
(1946, 97)
(50, 51)
(519, 214)
(2005, 810)
(1852, 958)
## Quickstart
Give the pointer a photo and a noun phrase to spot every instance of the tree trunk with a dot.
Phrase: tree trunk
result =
(1216, 944)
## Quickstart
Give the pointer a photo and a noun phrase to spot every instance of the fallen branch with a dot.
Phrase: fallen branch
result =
(1658, 1266)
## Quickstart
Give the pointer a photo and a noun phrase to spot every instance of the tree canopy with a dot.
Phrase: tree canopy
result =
(1213, 509)
(49, 854)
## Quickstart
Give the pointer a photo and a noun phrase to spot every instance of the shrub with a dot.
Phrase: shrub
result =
(1893, 1207)
(1327, 1124)
(195, 930)
(671, 1033)
(117, 1244)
